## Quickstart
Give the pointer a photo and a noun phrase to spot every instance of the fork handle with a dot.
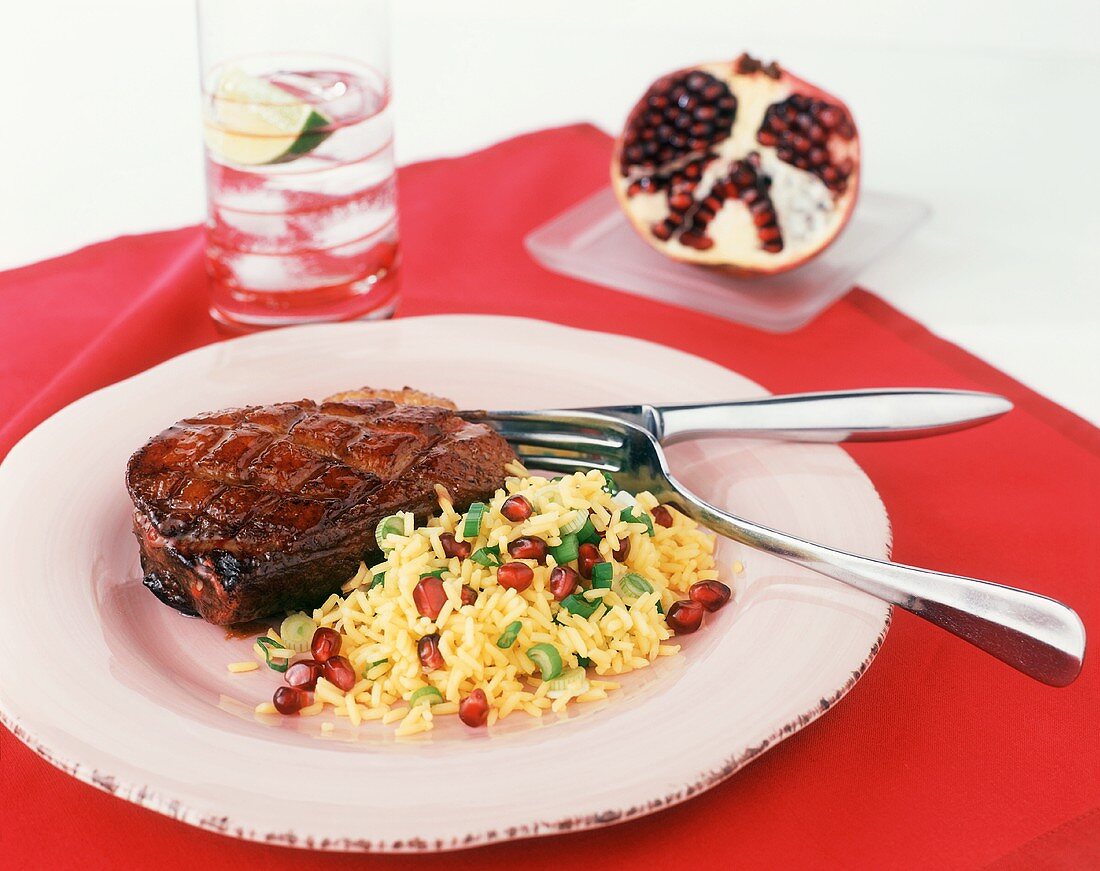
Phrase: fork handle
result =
(837, 416)
(1039, 636)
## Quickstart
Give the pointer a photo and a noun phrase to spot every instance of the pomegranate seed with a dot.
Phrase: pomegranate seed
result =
(516, 508)
(829, 117)
(696, 240)
(303, 674)
(588, 556)
(681, 202)
(515, 576)
(339, 672)
(429, 597)
(624, 550)
(290, 700)
(684, 617)
(563, 581)
(467, 594)
(662, 516)
(712, 595)
(474, 709)
(529, 547)
(427, 648)
(325, 644)
(454, 548)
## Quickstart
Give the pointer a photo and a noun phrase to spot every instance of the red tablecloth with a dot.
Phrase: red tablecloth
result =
(940, 757)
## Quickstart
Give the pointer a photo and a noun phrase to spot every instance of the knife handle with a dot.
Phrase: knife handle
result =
(840, 416)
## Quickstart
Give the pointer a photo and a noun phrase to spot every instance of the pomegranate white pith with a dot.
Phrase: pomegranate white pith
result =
(706, 167)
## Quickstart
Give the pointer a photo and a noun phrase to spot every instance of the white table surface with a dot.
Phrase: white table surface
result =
(985, 109)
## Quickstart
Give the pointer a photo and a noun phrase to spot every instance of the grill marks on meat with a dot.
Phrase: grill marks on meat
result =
(246, 512)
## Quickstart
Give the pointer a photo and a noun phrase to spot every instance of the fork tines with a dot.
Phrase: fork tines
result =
(558, 441)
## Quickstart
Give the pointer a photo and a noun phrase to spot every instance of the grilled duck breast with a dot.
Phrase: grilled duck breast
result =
(249, 512)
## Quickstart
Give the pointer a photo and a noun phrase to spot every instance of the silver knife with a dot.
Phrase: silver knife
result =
(837, 416)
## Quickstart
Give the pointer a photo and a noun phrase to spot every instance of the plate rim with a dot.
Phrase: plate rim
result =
(175, 808)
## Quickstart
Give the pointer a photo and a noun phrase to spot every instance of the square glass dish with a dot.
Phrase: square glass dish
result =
(594, 241)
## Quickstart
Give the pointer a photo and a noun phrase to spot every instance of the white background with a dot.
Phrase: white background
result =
(988, 111)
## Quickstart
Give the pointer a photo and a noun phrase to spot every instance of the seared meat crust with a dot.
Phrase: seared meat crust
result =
(248, 512)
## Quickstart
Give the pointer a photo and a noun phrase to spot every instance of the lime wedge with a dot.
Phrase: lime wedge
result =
(252, 122)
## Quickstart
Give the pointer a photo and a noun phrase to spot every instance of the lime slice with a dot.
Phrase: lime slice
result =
(252, 122)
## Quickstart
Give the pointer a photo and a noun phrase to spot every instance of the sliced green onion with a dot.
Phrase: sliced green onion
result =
(567, 551)
(547, 659)
(632, 587)
(508, 636)
(609, 483)
(275, 663)
(487, 556)
(426, 694)
(379, 578)
(639, 516)
(297, 632)
(587, 533)
(437, 573)
(624, 500)
(578, 604)
(371, 665)
(660, 607)
(583, 661)
(547, 493)
(575, 525)
(387, 526)
(571, 682)
(472, 525)
(602, 573)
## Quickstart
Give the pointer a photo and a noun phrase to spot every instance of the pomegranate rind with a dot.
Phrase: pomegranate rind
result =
(739, 253)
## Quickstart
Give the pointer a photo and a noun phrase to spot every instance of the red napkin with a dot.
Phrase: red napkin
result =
(939, 757)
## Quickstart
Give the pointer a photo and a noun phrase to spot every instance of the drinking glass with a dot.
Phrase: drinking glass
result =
(301, 195)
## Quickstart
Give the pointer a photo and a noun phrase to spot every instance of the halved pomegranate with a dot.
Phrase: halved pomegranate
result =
(738, 165)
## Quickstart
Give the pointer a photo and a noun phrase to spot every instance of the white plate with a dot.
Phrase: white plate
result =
(122, 692)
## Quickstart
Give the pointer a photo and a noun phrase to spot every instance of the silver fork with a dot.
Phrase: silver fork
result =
(1039, 636)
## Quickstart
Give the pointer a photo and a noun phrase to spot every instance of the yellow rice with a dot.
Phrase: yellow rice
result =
(380, 624)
